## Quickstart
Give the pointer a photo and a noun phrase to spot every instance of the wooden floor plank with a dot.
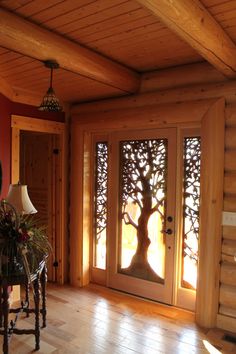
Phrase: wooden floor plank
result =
(96, 320)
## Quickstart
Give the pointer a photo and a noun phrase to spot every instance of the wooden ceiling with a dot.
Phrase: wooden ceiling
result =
(120, 39)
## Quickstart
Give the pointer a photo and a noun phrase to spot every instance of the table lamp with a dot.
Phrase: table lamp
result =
(18, 197)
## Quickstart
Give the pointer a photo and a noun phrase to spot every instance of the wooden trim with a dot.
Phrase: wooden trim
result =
(191, 21)
(183, 297)
(146, 116)
(211, 206)
(27, 38)
(15, 155)
(76, 208)
(176, 95)
(19, 123)
(37, 125)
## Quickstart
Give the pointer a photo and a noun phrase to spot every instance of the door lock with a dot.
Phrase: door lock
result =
(168, 231)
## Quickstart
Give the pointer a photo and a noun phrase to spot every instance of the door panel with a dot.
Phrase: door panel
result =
(38, 171)
(141, 213)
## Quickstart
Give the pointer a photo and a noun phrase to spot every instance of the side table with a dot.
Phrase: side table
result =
(38, 281)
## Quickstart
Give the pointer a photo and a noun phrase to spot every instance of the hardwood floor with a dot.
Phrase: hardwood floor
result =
(95, 320)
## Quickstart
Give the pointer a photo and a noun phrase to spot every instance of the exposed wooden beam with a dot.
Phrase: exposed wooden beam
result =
(192, 22)
(34, 41)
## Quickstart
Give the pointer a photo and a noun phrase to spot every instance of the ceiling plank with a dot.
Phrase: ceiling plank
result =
(6, 89)
(34, 41)
(193, 23)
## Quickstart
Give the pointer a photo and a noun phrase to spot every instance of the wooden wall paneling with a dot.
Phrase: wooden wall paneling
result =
(229, 247)
(227, 311)
(230, 138)
(226, 322)
(212, 134)
(227, 296)
(19, 123)
(230, 180)
(228, 273)
(230, 202)
(229, 232)
(230, 162)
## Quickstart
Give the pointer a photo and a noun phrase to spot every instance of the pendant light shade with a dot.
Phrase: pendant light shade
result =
(18, 197)
(50, 102)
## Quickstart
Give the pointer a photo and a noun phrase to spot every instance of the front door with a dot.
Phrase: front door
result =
(146, 213)
(142, 209)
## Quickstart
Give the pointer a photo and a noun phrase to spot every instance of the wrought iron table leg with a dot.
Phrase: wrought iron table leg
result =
(43, 285)
(37, 312)
(27, 297)
(5, 311)
(1, 313)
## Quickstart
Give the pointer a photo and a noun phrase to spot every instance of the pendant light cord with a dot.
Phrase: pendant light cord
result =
(51, 77)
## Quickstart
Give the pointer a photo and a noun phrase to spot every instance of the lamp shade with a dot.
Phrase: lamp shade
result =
(18, 197)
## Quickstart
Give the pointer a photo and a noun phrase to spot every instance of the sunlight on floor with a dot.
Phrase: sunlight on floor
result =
(210, 348)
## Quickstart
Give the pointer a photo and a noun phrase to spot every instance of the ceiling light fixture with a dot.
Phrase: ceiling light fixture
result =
(50, 102)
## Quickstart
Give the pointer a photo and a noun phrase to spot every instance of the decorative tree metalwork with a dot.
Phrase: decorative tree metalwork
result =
(101, 179)
(143, 183)
(191, 192)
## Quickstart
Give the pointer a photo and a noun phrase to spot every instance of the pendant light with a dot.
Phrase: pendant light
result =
(50, 102)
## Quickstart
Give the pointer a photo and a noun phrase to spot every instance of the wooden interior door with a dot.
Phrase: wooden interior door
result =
(38, 166)
(141, 213)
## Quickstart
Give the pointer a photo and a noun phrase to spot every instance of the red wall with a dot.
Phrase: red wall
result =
(7, 108)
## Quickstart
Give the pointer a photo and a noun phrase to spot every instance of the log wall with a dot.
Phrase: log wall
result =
(178, 85)
(228, 262)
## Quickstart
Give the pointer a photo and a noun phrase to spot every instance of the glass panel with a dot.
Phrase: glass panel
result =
(142, 208)
(100, 212)
(191, 195)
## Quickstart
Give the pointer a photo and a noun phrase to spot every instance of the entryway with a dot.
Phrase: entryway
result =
(146, 189)
(38, 160)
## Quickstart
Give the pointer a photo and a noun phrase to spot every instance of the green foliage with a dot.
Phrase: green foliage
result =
(23, 243)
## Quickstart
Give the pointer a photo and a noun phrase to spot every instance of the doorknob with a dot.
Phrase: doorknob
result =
(169, 218)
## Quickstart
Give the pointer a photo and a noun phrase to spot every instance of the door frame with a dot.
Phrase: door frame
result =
(20, 123)
(208, 115)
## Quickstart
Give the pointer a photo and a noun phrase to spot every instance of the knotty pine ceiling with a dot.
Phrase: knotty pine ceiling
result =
(122, 30)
